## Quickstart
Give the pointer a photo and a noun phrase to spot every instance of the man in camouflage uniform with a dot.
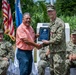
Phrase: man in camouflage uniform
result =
(57, 43)
(71, 53)
(44, 62)
(6, 52)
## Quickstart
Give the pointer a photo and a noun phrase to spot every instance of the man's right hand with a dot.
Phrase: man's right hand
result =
(38, 46)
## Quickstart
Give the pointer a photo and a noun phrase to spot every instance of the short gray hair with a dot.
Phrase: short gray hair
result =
(26, 13)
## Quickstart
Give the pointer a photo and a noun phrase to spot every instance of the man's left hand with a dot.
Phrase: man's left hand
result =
(45, 42)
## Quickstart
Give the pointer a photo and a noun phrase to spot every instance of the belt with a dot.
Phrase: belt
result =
(58, 51)
(23, 50)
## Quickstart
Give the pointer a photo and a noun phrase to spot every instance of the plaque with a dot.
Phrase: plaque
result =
(44, 33)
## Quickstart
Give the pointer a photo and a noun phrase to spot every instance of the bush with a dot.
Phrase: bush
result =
(66, 7)
(71, 20)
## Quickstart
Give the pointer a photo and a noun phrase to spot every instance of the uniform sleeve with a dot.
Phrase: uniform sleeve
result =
(42, 53)
(58, 34)
(68, 50)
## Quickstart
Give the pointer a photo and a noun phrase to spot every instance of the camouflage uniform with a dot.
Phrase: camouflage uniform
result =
(7, 51)
(71, 49)
(44, 61)
(57, 47)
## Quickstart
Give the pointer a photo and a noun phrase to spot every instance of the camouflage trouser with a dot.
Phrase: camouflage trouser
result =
(69, 64)
(3, 66)
(57, 65)
(41, 66)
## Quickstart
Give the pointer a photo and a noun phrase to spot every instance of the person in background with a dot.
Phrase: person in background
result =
(71, 53)
(57, 42)
(44, 62)
(6, 53)
(25, 37)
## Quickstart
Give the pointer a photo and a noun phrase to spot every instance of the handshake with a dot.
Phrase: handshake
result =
(44, 43)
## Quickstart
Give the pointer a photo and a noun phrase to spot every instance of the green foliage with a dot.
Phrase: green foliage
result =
(40, 15)
(71, 20)
(6, 37)
(66, 7)
(1, 25)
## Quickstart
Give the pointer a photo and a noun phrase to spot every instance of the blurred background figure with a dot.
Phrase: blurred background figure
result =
(71, 55)
(6, 53)
(44, 54)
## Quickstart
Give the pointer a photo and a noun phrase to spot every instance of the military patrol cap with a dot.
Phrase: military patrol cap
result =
(74, 32)
(1, 31)
(50, 8)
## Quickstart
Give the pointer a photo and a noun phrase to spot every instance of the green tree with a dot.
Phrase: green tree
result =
(66, 7)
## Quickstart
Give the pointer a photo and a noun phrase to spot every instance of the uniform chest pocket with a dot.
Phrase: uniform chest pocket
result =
(52, 33)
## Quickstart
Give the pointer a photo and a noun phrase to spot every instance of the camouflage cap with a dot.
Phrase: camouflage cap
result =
(50, 8)
(73, 32)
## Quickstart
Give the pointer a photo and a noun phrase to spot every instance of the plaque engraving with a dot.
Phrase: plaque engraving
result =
(44, 33)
